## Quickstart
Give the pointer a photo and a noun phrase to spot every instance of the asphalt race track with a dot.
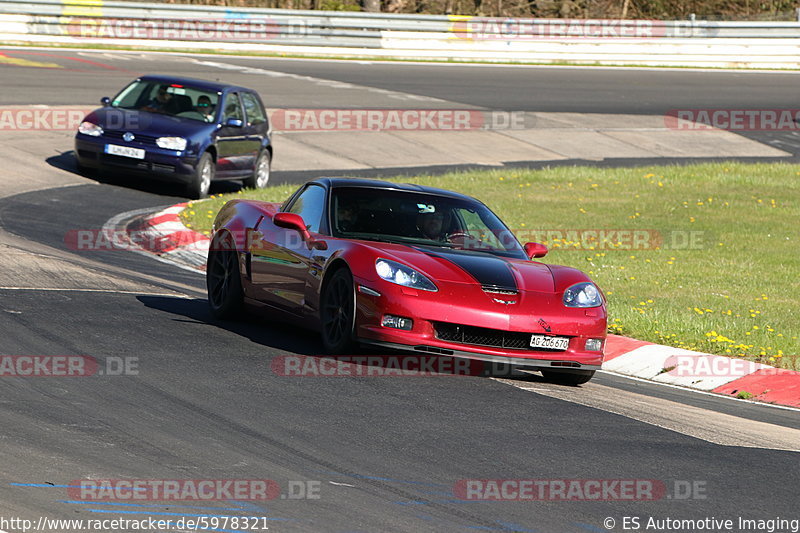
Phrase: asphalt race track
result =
(384, 454)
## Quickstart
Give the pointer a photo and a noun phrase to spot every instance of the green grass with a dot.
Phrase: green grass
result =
(735, 293)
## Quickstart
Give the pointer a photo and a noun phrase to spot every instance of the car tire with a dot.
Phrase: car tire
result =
(223, 280)
(337, 313)
(261, 173)
(202, 178)
(568, 377)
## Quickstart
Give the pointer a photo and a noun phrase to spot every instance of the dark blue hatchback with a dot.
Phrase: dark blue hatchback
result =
(182, 130)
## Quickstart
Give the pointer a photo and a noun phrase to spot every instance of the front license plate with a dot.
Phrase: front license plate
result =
(125, 151)
(549, 343)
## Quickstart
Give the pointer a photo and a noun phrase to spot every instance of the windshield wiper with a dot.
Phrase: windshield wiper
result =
(399, 240)
(378, 239)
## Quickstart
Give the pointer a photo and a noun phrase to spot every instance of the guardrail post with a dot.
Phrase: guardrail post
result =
(372, 6)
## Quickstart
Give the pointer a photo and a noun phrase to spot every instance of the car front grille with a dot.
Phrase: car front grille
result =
(120, 161)
(136, 164)
(159, 167)
(482, 336)
(116, 135)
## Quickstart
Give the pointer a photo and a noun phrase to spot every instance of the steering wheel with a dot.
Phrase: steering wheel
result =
(459, 238)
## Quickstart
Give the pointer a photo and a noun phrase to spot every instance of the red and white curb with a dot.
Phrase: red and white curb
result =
(623, 355)
(712, 373)
(172, 240)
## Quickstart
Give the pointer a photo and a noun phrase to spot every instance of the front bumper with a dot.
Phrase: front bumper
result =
(158, 163)
(538, 363)
(470, 306)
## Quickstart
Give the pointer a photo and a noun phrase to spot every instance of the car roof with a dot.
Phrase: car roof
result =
(379, 184)
(199, 84)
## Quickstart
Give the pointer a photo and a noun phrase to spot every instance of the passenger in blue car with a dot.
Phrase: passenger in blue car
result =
(205, 107)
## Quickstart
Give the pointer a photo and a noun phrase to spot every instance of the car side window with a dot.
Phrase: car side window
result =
(233, 109)
(255, 113)
(310, 205)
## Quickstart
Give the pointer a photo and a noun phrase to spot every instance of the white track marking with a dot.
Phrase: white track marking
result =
(532, 388)
(434, 64)
(705, 393)
(74, 289)
(341, 484)
(319, 81)
(718, 428)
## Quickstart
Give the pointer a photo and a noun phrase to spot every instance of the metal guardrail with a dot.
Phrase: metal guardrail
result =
(369, 25)
(695, 42)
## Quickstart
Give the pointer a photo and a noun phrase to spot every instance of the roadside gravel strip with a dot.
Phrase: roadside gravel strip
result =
(160, 233)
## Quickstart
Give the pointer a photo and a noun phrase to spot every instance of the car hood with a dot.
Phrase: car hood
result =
(463, 266)
(145, 123)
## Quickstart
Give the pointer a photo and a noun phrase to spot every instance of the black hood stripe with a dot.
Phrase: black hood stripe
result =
(490, 271)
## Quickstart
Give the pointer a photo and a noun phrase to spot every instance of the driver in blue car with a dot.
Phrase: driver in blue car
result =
(159, 103)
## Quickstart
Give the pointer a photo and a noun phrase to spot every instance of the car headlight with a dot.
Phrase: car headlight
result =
(403, 275)
(172, 143)
(582, 295)
(88, 128)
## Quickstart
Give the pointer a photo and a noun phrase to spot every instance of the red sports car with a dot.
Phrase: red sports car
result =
(406, 267)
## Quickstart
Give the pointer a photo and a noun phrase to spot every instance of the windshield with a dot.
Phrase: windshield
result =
(419, 218)
(169, 99)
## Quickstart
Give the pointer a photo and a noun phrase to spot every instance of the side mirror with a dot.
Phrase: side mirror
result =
(234, 123)
(295, 222)
(106, 101)
(534, 250)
